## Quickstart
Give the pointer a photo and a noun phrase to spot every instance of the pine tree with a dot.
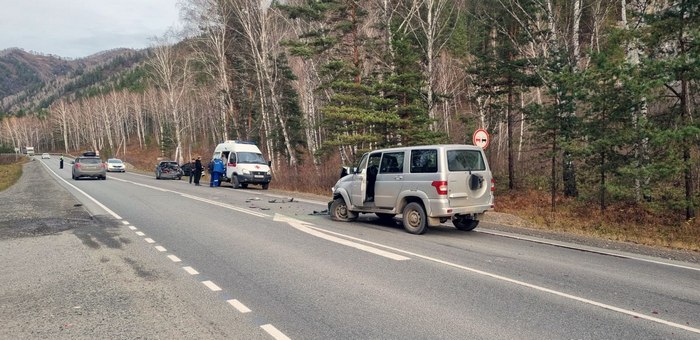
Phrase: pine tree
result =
(672, 39)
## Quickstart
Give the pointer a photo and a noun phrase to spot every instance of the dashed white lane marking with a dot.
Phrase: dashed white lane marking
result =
(125, 222)
(239, 306)
(274, 332)
(133, 228)
(212, 286)
(149, 240)
(190, 270)
(140, 233)
(160, 248)
(174, 258)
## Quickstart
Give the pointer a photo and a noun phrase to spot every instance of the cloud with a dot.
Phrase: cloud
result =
(78, 28)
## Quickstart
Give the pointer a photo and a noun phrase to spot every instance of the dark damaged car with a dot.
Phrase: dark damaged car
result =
(168, 170)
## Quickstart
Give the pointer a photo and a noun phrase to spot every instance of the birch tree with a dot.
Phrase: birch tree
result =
(172, 76)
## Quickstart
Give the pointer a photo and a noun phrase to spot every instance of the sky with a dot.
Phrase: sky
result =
(79, 28)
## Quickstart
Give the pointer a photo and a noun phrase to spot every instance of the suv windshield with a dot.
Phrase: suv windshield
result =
(251, 158)
(465, 160)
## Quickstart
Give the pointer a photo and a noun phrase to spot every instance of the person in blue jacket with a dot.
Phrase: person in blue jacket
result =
(217, 170)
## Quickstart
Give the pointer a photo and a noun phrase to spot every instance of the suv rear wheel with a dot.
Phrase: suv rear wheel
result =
(339, 211)
(414, 219)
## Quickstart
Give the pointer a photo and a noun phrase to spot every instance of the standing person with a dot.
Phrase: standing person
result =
(197, 170)
(60, 163)
(191, 170)
(210, 168)
(217, 170)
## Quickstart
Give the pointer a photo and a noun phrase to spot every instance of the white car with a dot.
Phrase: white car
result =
(114, 164)
(45, 156)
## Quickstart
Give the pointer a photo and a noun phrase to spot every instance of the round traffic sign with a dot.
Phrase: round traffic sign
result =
(481, 138)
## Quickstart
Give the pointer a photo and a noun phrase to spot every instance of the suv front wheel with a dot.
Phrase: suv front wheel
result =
(339, 211)
(414, 219)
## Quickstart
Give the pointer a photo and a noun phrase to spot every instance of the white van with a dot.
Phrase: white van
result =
(245, 164)
(428, 185)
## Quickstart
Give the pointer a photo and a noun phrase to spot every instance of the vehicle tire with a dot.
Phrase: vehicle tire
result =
(385, 218)
(103, 178)
(234, 182)
(73, 177)
(414, 219)
(157, 175)
(265, 186)
(179, 178)
(245, 185)
(339, 211)
(465, 223)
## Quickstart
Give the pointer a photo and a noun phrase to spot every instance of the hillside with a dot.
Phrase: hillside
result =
(30, 82)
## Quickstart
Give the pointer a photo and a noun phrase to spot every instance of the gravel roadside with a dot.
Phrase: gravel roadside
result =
(69, 275)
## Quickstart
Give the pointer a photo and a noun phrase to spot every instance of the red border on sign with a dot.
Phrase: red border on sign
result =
(488, 140)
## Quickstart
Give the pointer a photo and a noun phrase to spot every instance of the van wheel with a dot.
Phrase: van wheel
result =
(465, 223)
(265, 186)
(339, 211)
(234, 182)
(244, 185)
(414, 219)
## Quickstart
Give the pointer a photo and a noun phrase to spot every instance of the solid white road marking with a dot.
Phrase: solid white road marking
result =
(174, 258)
(213, 202)
(239, 306)
(524, 284)
(212, 286)
(274, 332)
(109, 211)
(190, 270)
(132, 227)
(307, 228)
(590, 249)
(125, 222)
(160, 248)
(140, 233)
(149, 240)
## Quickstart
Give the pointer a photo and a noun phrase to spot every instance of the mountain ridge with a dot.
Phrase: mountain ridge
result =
(30, 81)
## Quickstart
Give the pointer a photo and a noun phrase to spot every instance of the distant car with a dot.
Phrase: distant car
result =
(88, 166)
(114, 164)
(168, 169)
(45, 156)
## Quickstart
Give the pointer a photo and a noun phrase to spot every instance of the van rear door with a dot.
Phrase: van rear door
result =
(468, 177)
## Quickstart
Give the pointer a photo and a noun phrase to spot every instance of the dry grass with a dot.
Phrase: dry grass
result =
(628, 223)
(10, 170)
(307, 178)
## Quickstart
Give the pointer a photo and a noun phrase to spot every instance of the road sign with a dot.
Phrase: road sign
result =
(481, 138)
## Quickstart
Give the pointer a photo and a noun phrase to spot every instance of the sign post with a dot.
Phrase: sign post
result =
(481, 138)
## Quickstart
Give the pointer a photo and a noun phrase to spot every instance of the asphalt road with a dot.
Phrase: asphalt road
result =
(244, 264)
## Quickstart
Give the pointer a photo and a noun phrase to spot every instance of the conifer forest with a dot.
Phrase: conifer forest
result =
(595, 100)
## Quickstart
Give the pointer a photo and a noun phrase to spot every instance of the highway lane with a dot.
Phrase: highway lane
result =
(286, 266)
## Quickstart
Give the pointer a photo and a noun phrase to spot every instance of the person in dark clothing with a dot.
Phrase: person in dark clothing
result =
(197, 170)
(191, 170)
(60, 163)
